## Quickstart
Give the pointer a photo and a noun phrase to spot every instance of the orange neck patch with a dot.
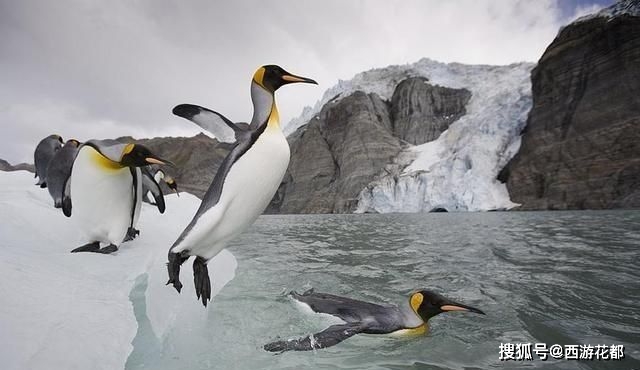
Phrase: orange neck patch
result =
(104, 162)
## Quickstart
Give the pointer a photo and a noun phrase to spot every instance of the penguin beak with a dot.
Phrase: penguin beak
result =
(156, 160)
(454, 306)
(289, 78)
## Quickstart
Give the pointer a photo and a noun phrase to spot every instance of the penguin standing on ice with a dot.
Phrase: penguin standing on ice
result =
(150, 188)
(106, 191)
(245, 182)
(45, 150)
(59, 172)
(368, 318)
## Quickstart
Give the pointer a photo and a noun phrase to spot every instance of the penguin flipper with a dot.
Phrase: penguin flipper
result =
(326, 338)
(66, 197)
(220, 126)
(347, 309)
(149, 183)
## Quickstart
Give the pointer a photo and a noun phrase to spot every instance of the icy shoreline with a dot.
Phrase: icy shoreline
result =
(73, 311)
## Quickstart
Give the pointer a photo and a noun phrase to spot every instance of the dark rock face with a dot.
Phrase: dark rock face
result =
(581, 146)
(336, 155)
(421, 112)
(354, 139)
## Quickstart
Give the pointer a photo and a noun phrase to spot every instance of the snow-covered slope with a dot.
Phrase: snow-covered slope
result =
(629, 7)
(73, 311)
(458, 170)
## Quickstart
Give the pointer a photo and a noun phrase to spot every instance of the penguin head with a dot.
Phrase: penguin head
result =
(59, 138)
(72, 142)
(136, 155)
(171, 183)
(272, 77)
(428, 304)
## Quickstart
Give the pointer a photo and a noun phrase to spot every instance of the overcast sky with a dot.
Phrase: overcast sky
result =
(97, 69)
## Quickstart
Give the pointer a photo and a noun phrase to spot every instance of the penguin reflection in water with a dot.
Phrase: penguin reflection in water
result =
(106, 191)
(368, 318)
(245, 182)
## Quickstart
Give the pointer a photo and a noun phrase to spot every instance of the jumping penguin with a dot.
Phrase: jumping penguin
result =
(45, 150)
(368, 318)
(58, 174)
(245, 182)
(106, 191)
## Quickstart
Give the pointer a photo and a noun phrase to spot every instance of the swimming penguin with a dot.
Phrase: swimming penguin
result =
(368, 318)
(245, 182)
(45, 150)
(58, 174)
(106, 191)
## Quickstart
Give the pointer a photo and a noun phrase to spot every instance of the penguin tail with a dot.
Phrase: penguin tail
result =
(201, 280)
(173, 267)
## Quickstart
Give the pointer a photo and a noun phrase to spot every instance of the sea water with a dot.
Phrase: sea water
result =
(565, 278)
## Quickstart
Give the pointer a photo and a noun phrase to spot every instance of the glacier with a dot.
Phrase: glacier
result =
(74, 311)
(458, 170)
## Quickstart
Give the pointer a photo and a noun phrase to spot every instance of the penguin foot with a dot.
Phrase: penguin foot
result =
(201, 280)
(89, 247)
(95, 248)
(173, 267)
(277, 346)
(108, 249)
(132, 233)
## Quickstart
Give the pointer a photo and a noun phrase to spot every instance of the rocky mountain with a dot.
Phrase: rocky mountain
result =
(6, 166)
(412, 138)
(581, 145)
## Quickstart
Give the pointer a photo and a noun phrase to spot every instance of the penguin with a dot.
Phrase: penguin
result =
(171, 183)
(245, 182)
(45, 150)
(158, 176)
(58, 174)
(368, 318)
(149, 187)
(106, 191)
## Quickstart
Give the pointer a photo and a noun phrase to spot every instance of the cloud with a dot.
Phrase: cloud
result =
(106, 69)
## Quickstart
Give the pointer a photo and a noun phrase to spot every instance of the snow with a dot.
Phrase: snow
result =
(622, 7)
(458, 170)
(73, 311)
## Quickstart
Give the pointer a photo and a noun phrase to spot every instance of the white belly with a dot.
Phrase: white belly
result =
(247, 191)
(101, 198)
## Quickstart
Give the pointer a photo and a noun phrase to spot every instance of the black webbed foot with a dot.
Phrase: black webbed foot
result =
(108, 249)
(173, 267)
(201, 280)
(89, 247)
(132, 233)
(95, 248)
